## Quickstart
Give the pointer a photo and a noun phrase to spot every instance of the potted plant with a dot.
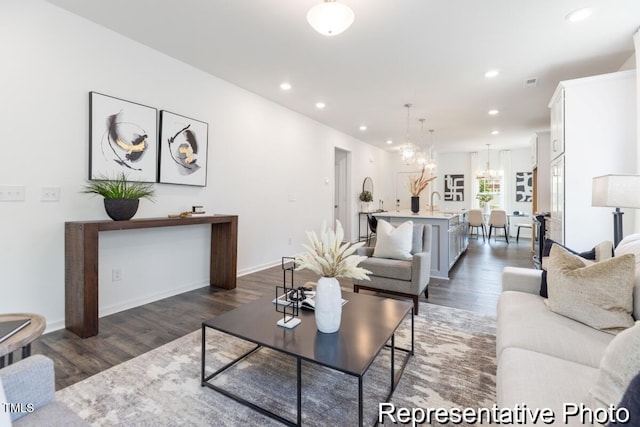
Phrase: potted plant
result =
(365, 197)
(121, 196)
(485, 198)
(330, 258)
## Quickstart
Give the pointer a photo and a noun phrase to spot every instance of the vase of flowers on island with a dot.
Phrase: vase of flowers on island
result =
(417, 186)
(330, 258)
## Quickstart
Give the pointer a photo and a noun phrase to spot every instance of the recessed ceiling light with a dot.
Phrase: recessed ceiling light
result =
(495, 132)
(493, 112)
(389, 141)
(363, 128)
(579, 15)
(491, 74)
(285, 86)
(320, 105)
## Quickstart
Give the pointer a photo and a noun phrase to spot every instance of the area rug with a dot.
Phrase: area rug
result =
(453, 367)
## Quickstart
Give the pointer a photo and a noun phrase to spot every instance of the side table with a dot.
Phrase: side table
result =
(23, 338)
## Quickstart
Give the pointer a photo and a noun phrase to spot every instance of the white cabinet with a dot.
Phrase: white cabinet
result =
(534, 151)
(593, 133)
(557, 122)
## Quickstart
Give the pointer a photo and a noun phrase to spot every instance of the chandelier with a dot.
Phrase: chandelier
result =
(408, 150)
(488, 173)
(330, 18)
(425, 157)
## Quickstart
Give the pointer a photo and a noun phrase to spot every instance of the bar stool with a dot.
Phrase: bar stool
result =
(523, 225)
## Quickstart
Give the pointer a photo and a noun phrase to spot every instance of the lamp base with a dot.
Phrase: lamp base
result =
(617, 227)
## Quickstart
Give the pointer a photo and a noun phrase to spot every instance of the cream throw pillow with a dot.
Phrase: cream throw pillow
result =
(617, 368)
(394, 243)
(599, 295)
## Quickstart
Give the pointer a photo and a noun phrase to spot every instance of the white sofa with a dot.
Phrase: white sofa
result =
(546, 360)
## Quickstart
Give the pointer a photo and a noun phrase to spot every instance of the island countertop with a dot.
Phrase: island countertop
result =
(425, 214)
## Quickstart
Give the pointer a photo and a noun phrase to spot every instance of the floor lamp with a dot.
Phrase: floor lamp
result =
(616, 191)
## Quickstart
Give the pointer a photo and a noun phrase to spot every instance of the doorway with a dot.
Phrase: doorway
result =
(341, 205)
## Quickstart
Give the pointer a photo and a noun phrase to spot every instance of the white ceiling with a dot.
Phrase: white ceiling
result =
(431, 53)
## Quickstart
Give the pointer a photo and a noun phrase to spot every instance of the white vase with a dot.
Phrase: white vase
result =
(328, 305)
(487, 208)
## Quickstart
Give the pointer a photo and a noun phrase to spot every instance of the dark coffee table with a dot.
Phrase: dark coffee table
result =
(372, 317)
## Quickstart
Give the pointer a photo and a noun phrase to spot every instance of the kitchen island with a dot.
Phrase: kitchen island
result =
(449, 235)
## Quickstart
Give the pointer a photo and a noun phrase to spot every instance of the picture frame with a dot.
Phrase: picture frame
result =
(454, 188)
(524, 187)
(184, 145)
(123, 138)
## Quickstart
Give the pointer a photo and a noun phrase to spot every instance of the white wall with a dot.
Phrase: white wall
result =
(259, 154)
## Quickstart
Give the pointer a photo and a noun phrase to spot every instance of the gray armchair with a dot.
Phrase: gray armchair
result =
(404, 278)
(29, 386)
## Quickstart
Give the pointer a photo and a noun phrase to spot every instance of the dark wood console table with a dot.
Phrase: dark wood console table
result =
(81, 261)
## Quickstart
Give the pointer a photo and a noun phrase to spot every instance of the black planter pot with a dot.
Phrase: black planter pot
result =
(121, 209)
(415, 204)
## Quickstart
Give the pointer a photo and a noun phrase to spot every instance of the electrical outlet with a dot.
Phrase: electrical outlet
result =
(50, 194)
(116, 275)
(11, 193)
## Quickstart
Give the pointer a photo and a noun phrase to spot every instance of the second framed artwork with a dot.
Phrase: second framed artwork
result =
(183, 150)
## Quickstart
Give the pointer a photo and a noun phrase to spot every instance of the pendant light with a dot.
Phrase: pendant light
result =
(330, 18)
(408, 150)
(431, 164)
(488, 173)
(422, 156)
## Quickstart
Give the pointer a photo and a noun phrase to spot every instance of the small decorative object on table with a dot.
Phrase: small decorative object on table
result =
(417, 186)
(287, 299)
(195, 210)
(121, 196)
(330, 258)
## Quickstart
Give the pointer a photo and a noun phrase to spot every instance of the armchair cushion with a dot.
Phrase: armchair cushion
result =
(389, 268)
(392, 242)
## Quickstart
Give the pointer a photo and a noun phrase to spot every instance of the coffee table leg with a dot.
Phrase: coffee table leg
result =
(202, 358)
(393, 358)
(412, 335)
(360, 406)
(299, 368)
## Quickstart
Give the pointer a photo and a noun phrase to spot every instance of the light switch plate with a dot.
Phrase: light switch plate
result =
(11, 193)
(50, 194)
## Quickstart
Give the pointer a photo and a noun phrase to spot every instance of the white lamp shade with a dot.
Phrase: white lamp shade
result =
(330, 18)
(616, 191)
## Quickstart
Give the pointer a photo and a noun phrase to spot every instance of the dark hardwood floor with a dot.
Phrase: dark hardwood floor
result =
(474, 286)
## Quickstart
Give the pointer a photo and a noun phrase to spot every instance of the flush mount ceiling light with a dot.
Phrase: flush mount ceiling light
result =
(320, 105)
(579, 15)
(491, 74)
(493, 112)
(330, 18)
(389, 141)
(285, 86)
(363, 128)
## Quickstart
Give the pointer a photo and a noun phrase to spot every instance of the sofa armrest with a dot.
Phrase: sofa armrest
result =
(364, 251)
(521, 279)
(29, 381)
(420, 272)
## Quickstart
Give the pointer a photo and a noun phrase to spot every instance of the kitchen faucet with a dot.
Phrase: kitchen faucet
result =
(439, 198)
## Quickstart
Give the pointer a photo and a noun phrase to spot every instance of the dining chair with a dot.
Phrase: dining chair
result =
(498, 219)
(476, 220)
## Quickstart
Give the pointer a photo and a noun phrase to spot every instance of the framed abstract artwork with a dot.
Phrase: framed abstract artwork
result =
(183, 150)
(454, 188)
(524, 186)
(123, 139)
